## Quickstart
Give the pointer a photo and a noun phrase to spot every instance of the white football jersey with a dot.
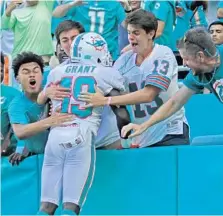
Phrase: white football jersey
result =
(80, 77)
(159, 69)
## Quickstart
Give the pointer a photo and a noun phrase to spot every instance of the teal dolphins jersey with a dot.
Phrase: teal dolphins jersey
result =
(7, 95)
(164, 11)
(24, 111)
(213, 81)
(199, 18)
(102, 17)
(56, 21)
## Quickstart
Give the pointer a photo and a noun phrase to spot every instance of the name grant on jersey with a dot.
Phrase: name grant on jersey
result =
(80, 69)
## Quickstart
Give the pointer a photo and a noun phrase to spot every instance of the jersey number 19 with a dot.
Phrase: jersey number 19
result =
(77, 85)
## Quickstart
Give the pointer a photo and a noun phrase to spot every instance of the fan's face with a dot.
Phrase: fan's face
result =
(66, 39)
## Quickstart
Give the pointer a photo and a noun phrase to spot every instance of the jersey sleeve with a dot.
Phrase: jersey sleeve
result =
(164, 69)
(161, 9)
(120, 13)
(53, 77)
(17, 113)
(9, 22)
(109, 78)
(190, 82)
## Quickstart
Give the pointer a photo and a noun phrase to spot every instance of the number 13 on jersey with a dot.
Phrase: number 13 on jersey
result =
(77, 85)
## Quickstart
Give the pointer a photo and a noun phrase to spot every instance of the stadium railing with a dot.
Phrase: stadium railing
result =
(163, 180)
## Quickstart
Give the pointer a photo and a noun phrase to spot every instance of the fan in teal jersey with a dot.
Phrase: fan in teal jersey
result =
(206, 62)
(220, 10)
(8, 141)
(164, 11)
(101, 17)
(196, 13)
(26, 116)
(189, 15)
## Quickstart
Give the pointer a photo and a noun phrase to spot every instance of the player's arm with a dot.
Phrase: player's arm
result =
(62, 10)
(121, 113)
(52, 90)
(174, 104)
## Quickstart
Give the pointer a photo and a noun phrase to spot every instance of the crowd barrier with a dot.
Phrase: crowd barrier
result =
(163, 180)
(204, 114)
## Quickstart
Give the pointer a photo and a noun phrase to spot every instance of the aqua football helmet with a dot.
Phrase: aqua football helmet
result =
(91, 46)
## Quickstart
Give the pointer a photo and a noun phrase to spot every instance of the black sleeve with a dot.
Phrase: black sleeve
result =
(121, 113)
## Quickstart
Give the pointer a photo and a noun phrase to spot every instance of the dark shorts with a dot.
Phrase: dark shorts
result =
(173, 140)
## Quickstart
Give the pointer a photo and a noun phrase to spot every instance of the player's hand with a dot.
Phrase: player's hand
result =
(55, 92)
(16, 158)
(137, 130)
(57, 119)
(93, 99)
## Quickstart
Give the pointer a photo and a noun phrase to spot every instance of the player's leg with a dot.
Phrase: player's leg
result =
(78, 174)
(52, 173)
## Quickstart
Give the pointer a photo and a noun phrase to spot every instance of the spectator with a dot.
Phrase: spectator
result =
(220, 10)
(206, 62)
(189, 15)
(102, 17)
(216, 31)
(123, 34)
(26, 116)
(8, 140)
(166, 15)
(31, 26)
(150, 71)
(7, 36)
(65, 33)
(197, 13)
